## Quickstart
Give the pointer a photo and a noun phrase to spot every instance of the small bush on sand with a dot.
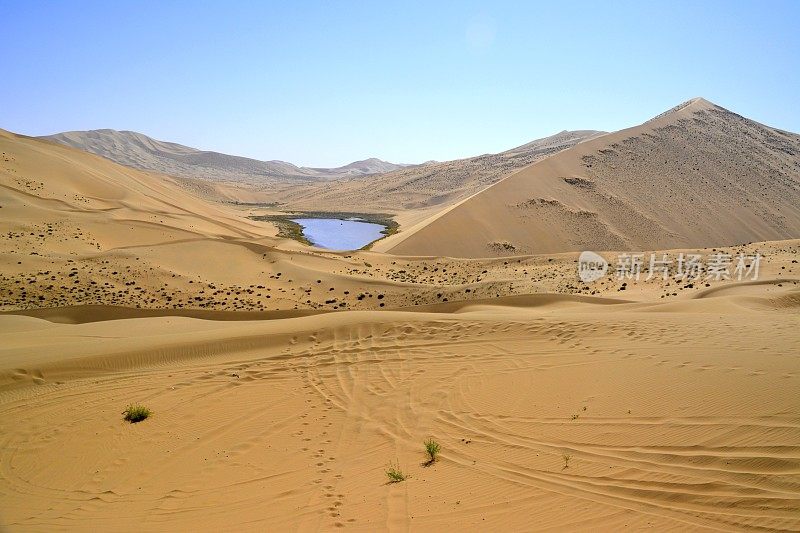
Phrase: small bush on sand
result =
(432, 449)
(566, 458)
(136, 413)
(394, 474)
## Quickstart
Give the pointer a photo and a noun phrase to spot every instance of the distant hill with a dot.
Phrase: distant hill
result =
(373, 165)
(140, 151)
(695, 176)
(423, 186)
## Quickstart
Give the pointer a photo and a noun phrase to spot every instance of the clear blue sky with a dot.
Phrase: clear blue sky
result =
(326, 83)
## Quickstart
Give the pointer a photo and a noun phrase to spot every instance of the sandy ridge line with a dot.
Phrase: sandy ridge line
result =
(82, 314)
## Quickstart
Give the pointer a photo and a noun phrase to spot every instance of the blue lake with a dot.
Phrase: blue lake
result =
(336, 234)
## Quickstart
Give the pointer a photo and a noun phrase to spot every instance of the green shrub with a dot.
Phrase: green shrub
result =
(432, 449)
(394, 474)
(136, 413)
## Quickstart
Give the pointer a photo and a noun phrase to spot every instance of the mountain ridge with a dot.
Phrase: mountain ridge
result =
(137, 150)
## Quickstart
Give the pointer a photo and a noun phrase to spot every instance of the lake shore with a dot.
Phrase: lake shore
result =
(289, 228)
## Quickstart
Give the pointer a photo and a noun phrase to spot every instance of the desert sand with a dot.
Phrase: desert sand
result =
(284, 379)
(670, 416)
(695, 176)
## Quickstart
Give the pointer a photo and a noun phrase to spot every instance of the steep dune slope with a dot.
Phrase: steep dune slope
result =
(46, 182)
(695, 176)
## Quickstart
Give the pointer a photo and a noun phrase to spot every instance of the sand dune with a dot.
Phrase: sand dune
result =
(669, 421)
(696, 176)
(284, 379)
(80, 230)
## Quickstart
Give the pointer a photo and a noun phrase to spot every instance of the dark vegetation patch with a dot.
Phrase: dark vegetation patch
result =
(581, 183)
